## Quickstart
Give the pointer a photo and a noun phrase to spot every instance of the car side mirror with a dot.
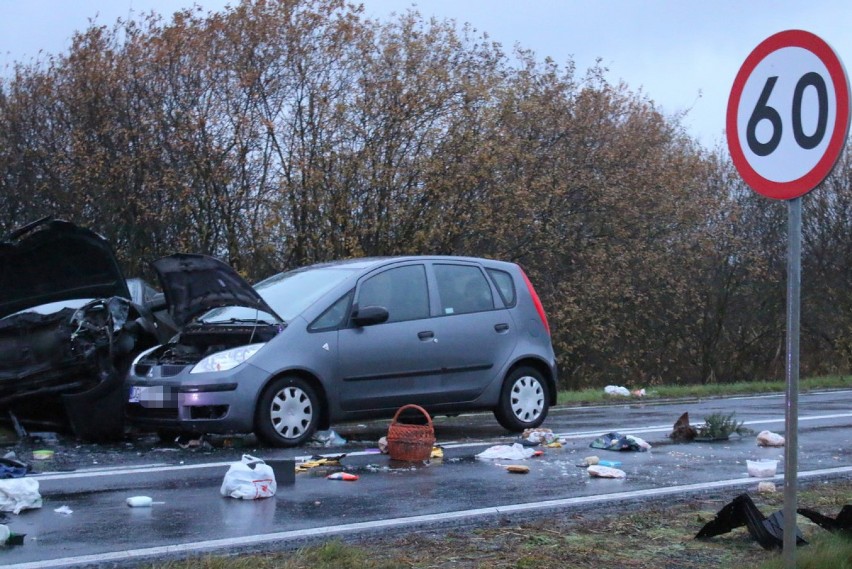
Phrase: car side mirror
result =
(370, 315)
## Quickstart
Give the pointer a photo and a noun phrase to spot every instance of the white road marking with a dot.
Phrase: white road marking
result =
(325, 531)
(143, 469)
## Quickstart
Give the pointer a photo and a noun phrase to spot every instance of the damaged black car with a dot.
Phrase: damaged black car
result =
(69, 329)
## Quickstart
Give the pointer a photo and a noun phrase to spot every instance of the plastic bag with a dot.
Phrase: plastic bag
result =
(515, 452)
(13, 468)
(769, 439)
(619, 442)
(249, 479)
(18, 494)
(328, 438)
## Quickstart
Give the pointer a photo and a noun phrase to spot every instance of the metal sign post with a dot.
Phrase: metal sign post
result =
(791, 415)
(786, 124)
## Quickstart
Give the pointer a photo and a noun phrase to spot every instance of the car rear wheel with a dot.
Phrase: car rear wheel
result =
(288, 412)
(524, 401)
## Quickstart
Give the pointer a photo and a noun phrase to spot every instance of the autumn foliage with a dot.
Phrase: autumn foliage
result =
(284, 132)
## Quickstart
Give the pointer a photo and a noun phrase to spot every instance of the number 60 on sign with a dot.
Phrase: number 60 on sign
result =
(788, 114)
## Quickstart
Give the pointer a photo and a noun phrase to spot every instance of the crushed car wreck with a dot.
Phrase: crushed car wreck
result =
(68, 330)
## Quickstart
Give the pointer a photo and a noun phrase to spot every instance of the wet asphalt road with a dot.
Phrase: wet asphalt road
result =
(190, 516)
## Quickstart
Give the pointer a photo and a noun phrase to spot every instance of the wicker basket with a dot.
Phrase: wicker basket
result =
(411, 443)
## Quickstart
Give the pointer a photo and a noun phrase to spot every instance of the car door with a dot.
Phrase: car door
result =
(475, 330)
(393, 363)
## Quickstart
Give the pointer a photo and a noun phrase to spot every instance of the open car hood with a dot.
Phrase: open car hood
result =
(53, 260)
(194, 284)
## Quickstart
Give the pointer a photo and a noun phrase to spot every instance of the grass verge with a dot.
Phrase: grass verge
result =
(637, 536)
(598, 397)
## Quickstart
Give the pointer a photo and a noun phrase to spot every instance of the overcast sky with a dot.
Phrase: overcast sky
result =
(682, 54)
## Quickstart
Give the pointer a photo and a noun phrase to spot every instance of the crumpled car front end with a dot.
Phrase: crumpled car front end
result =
(68, 330)
(196, 382)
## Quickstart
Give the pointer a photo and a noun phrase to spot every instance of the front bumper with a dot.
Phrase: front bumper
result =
(209, 403)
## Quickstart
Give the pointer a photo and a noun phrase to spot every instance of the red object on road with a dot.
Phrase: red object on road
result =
(342, 476)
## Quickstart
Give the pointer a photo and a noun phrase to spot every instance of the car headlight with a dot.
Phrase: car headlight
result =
(229, 359)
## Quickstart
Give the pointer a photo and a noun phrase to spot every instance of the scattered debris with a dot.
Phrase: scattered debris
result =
(8, 537)
(762, 468)
(249, 479)
(18, 494)
(65, 510)
(719, 427)
(11, 467)
(683, 431)
(621, 391)
(328, 438)
(593, 460)
(741, 511)
(43, 454)
(189, 442)
(343, 476)
(319, 461)
(619, 442)
(766, 487)
(538, 436)
(515, 452)
(598, 471)
(769, 439)
(518, 469)
(140, 501)
(842, 523)
(284, 470)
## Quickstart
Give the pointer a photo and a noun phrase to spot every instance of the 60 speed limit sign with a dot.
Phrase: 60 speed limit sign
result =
(788, 114)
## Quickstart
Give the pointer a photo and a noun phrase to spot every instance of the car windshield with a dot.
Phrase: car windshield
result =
(288, 294)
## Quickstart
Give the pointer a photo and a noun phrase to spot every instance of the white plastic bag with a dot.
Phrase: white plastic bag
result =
(769, 439)
(515, 452)
(249, 479)
(18, 494)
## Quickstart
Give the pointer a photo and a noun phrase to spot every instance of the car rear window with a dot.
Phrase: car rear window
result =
(505, 286)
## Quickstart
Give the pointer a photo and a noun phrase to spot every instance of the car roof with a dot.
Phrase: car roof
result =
(369, 262)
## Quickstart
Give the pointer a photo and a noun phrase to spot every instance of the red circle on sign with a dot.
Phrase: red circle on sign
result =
(800, 186)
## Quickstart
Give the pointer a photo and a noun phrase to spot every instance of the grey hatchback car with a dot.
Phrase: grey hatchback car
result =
(342, 341)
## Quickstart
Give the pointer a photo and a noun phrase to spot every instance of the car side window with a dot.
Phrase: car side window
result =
(505, 286)
(402, 291)
(463, 289)
(334, 315)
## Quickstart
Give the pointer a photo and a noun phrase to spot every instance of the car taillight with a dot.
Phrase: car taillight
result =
(537, 302)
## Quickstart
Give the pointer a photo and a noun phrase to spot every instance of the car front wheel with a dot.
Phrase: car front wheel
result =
(288, 412)
(524, 401)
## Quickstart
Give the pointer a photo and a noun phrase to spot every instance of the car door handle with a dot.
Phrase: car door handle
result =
(427, 335)
(502, 327)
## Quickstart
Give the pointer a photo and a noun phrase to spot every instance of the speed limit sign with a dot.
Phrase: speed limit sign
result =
(788, 114)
